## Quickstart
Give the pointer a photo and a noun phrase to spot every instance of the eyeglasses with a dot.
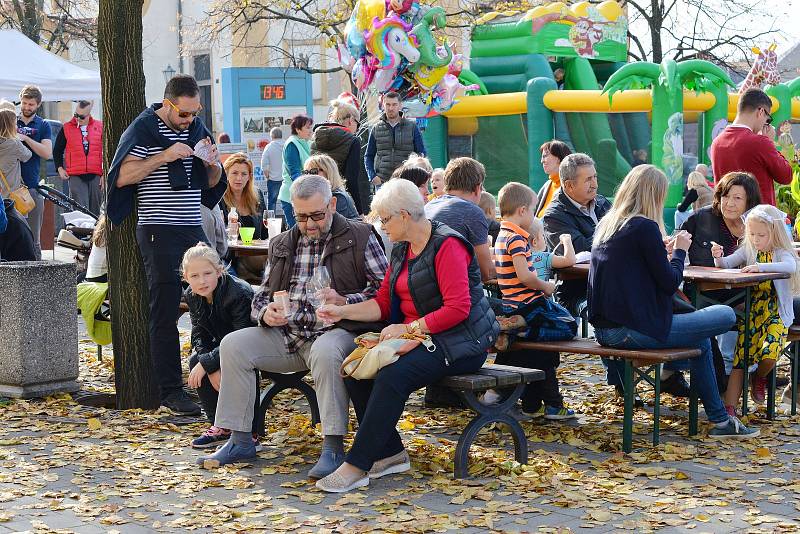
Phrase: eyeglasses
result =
(358, 122)
(312, 170)
(769, 116)
(79, 116)
(183, 114)
(316, 216)
(385, 221)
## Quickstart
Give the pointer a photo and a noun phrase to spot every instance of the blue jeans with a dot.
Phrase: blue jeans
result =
(288, 213)
(687, 330)
(273, 188)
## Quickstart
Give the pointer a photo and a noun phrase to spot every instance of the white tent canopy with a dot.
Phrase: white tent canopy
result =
(24, 62)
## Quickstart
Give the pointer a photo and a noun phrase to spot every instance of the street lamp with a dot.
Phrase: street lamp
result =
(169, 72)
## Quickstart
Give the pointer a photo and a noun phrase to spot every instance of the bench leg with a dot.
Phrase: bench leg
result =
(771, 393)
(795, 362)
(657, 405)
(282, 382)
(693, 407)
(486, 415)
(99, 353)
(627, 422)
(746, 381)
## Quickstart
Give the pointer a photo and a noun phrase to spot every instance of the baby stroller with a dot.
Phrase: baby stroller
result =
(77, 235)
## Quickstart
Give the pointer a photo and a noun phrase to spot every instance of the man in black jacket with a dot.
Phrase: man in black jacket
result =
(575, 210)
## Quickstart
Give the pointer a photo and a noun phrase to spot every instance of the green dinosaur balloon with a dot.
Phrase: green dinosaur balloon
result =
(427, 43)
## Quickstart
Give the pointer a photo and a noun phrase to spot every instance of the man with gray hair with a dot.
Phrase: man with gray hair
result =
(272, 166)
(292, 340)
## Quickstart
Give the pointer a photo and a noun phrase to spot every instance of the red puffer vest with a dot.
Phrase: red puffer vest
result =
(76, 161)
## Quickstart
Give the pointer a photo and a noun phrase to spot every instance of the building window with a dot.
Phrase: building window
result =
(202, 73)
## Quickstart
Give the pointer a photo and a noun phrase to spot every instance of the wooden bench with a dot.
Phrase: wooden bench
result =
(638, 365)
(791, 351)
(510, 382)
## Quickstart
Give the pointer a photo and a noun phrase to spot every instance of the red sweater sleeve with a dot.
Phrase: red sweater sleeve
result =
(383, 297)
(451, 264)
(779, 169)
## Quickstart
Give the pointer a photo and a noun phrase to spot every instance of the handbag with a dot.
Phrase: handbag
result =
(372, 355)
(23, 201)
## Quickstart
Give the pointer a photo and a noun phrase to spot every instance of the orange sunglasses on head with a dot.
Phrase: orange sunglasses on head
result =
(184, 114)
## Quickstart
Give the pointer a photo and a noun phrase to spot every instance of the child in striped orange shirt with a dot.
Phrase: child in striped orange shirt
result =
(525, 296)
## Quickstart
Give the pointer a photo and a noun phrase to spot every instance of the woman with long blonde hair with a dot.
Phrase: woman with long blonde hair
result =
(633, 275)
(325, 166)
(12, 152)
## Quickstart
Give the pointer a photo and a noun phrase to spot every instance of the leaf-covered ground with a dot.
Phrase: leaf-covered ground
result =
(71, 468)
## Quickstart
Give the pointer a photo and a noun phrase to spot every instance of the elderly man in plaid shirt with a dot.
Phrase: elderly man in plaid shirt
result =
(297, 340)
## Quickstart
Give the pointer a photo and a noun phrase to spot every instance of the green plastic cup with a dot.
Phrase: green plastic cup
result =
(246, 233)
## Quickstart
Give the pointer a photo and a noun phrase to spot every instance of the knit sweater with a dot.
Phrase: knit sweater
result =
(737, 148)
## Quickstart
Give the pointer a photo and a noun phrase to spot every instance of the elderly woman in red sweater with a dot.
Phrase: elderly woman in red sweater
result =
(433, 286)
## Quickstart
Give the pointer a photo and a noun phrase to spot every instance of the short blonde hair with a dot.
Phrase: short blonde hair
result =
(201, 251)
(397, 195)
(327, 165)
(513, 196)
(487, 203)
(641, 194)
(537, 227)
(341, 111)
(695, 179)
(417, 160)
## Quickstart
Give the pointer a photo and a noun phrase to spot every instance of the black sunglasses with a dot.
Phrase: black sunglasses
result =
(769, 116)
(312, 170)
(79, 116)
(316, 216)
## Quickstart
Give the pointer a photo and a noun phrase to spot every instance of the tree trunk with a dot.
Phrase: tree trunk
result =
(120, 51)
(655, 23)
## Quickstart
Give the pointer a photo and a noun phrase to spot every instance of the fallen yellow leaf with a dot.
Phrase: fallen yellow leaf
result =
(94, 423)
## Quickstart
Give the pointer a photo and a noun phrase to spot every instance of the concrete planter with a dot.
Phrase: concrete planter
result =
(38, 329)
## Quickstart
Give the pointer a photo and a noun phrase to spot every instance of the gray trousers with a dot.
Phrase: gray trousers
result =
(262, 348)
(86, 193)
(34, 218)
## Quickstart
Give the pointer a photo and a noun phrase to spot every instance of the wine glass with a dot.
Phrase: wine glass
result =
(319, 282)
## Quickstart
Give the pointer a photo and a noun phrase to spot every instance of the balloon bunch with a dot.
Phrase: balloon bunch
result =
(390, 46)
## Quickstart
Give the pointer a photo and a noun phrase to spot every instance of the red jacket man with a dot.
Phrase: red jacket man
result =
(78, 156)
(748, 145)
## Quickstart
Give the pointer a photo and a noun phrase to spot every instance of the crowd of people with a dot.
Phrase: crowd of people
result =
(413, 260)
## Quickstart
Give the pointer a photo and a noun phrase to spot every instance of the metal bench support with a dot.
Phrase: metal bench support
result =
(486, 415)
(281, 382)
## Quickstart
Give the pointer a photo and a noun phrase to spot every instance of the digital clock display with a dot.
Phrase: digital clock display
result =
(273, 92)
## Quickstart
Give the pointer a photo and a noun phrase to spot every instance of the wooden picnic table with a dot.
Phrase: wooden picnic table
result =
(705, 280)
(258, 247)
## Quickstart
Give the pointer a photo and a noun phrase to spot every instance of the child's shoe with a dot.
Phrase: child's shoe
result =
(515, 322)
(758, 387)
(557, 414)
(536, 414)
(502, 342)
(211, 438)
(733, 429)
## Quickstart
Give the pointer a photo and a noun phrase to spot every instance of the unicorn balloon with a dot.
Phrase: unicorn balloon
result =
(388, 40)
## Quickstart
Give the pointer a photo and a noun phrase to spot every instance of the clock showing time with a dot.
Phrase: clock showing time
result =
(273, 92)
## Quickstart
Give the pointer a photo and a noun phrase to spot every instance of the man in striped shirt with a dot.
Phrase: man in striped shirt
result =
(155, 160)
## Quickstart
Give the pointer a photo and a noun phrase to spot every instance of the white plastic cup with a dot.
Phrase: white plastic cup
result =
(274, 227)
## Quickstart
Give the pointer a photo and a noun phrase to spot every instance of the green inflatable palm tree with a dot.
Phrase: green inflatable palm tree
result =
(668, 80)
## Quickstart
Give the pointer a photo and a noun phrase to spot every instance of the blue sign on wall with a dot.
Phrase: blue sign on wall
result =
(257, 99)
